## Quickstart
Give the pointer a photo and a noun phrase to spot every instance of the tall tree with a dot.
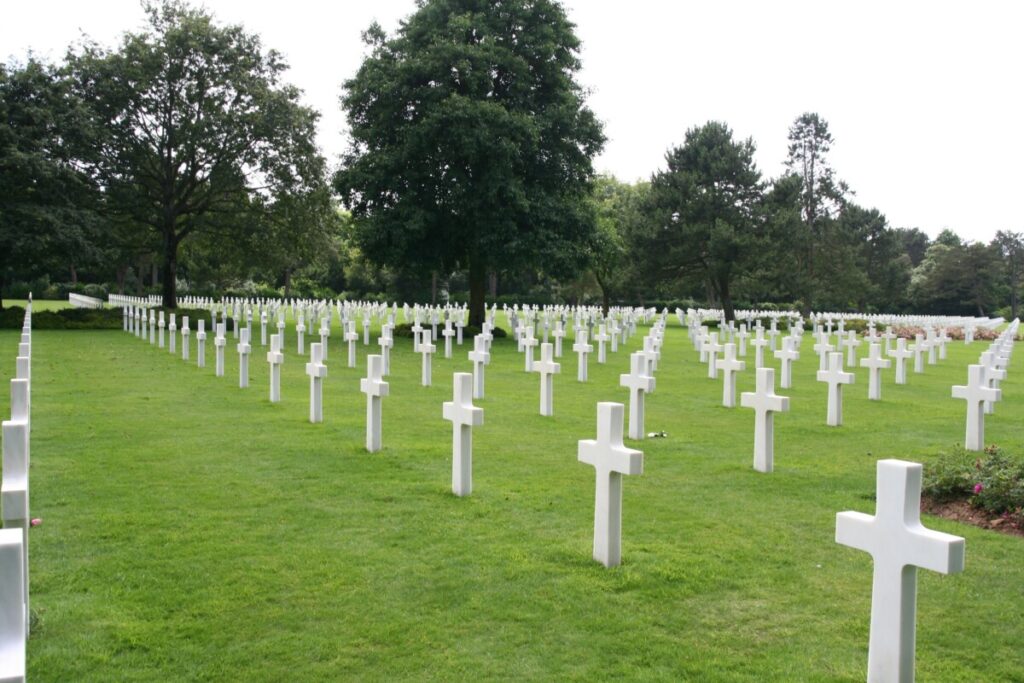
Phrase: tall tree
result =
(1011, 248)
(47, 204)
(198, 123)
(821, 196)
(620, 209)
(471, 144)
(707, 202)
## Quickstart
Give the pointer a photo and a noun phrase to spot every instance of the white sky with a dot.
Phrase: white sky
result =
(924, 99)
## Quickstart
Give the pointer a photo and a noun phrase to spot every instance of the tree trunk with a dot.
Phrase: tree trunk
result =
(494, 284)
(723, 290)
(287, 283)
(604, 293)
(122, 272)
(477, 287)
(433, 288)
(74, 275)
(155, 271)
(170, 271)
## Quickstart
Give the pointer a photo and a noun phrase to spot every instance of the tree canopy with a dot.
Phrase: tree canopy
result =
(471, 143)
(192, 122)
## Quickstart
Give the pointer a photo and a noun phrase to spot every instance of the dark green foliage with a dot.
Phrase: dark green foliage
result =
(951, 476)
(66, 319)
(195, 130)
(704, 207)
(471, 145)
(992, 481)
(47, 209)
(1000, 479)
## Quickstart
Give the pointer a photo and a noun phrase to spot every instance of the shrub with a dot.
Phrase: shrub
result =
(1000, 483)
(404, 330)
(952, 475)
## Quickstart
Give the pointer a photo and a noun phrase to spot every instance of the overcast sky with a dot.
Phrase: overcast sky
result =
(923, 99)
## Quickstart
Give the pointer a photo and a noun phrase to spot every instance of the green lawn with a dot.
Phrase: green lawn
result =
(194, 531)
(39, 304)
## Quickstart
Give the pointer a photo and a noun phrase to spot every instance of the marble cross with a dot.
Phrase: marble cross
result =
(201, 344)
(851, 345)
(759, 342)
(218, 345)
(316, 371)
(765, 403)
(582, 348)
(479, 357)
(901, 353)
(276, 358)
(601, 337)
(610, 459)
(639, 382)
(787, 355)
(713, 348)
(300, 336)
(351, 336)
(375, 389)
(14, 609)
(448, 333)
(527, 342)
(244, 349)
(823, 348)
(558, 334)
(386, 341)
(835, 378)
(548, 368)
(919, 348)
(463, 415)
(898, 544)
(426, 350)
(172, 336)
(185, 332)
(161, 324)
(263, 328)
(976, 392)
(729, 366)
(875, 364)
(14, 490)
(325, 333)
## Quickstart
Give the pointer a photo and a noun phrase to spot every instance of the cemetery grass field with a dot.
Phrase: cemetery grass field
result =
(39, 304)
(192, 530)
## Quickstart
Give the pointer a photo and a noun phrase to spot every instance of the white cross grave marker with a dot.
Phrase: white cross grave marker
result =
(765, 403)
(527, 342)
(601, 337)
(463, 415)
(316, 371)
(13, 605)
(835, 378)
(548, 368)
(201, 345)
(610, 459)
(276, 359)
(875, 364)
(976, 392)
(898, 544)
(479, 357)
(787, 355)
(375, 389)
(218, 344)
(901, 353)
(351, 336)
(244, 348)
(427, 350)
(185, 346)
(639, 383)
(582, 348)
(729, 366)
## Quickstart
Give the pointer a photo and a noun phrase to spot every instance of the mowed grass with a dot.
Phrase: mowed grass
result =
(192, 530)
(38, 304)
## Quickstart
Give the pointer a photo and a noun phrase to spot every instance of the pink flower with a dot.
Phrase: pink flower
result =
(978, 488)
(36, 521)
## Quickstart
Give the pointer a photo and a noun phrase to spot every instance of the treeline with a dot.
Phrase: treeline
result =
(181, 161)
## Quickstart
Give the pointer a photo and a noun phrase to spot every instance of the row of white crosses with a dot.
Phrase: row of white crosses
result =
(14, 501)
(982, 388)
